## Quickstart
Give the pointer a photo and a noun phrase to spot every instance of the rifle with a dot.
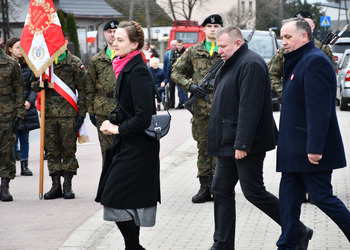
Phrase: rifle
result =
(332, 37)
(207, 83)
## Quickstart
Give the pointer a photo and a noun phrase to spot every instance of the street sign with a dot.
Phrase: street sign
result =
(325, 21)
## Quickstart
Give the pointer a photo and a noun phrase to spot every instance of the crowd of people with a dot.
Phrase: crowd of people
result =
(232, 123)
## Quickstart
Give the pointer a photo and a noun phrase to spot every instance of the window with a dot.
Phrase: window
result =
(250, 7)
(242, 8)
(187, 37)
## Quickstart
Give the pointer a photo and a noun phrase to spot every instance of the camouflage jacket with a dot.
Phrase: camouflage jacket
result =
(277, 61)
(100, 84)
(192, 67)
(11, 89)
(71, 71)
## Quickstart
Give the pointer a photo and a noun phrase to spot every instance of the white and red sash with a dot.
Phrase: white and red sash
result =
(67, 93)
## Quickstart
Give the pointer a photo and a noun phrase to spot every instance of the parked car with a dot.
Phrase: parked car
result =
(339, 47)
(343, 81)
(265, 44)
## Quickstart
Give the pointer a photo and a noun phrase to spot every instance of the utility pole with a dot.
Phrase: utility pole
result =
(148, 20)
(5, 23)
(280, 12)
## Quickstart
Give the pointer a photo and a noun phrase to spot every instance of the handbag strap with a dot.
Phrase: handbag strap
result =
(154, 86)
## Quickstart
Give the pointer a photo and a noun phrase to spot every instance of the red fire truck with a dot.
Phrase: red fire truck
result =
(188, 31)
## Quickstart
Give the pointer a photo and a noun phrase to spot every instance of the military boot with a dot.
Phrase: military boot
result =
(5, 193)
(24, 168)
(204, 193)
(67, 186)
(56, 189)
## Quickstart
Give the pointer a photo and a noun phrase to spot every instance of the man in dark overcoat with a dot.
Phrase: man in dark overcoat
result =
(309, 143)
(241, 130)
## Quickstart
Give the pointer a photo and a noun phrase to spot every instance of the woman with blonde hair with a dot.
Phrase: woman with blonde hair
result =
(129, 187)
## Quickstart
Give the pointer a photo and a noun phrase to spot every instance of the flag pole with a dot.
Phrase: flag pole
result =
(42, 139)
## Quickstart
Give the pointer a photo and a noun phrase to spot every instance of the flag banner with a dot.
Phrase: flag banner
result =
(60, 87)
(91, 36)
(42, 40)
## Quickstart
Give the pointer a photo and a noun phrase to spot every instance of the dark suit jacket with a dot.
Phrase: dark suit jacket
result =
(308, 122)
(241, 112)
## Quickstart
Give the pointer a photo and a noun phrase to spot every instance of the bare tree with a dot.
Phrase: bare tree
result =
(148, 20)
(242, 20)
(182, 8)
(131, 11)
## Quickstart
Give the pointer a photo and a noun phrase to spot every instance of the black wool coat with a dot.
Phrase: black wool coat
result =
(241, 112)
(31, 119)
(130, 175)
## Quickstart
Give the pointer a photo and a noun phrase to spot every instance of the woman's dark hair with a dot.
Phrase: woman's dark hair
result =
(9, 44)
(134, 31)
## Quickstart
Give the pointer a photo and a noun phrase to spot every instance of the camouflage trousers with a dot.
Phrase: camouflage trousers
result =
(61, 144)
(105, 140)
(7, 155)
(205, 164)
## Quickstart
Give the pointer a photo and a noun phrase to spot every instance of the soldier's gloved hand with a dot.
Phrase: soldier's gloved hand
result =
(15, 124)
(93, 118)
(80, 121)
(197, 91)
(46, 84)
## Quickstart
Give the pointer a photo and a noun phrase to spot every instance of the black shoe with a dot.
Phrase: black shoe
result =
(304, 235)
(67, 186)
(4, 190)
(180, 106)
(24, 168)
(214, 246)
(204, 193)
(56, 189)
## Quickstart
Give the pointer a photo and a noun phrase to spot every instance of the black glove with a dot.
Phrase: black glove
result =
(80, 121)
(15, 124)
(197, 91)
(46, 84)
(93, 118)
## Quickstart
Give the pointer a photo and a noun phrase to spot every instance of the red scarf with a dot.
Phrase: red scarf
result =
(119, 63)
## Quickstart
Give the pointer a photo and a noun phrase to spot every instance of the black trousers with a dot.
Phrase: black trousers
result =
(172, 94)
(249, 171)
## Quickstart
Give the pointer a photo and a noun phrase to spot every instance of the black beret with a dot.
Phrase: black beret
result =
(113, 24)
(303, 14)
(213, 19)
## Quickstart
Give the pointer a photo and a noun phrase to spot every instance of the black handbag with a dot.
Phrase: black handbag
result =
(160, 124)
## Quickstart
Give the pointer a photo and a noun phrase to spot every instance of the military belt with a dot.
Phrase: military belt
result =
(108, 94)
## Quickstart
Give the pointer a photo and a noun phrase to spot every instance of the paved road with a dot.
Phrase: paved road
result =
(30, 223)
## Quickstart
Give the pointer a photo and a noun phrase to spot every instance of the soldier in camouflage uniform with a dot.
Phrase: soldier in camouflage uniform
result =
(62, 123)
(277, 61)
(187, 72)
(100, 82)
(11, 112)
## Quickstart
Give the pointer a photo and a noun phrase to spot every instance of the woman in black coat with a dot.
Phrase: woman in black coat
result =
(129, 187)
(31, 120)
